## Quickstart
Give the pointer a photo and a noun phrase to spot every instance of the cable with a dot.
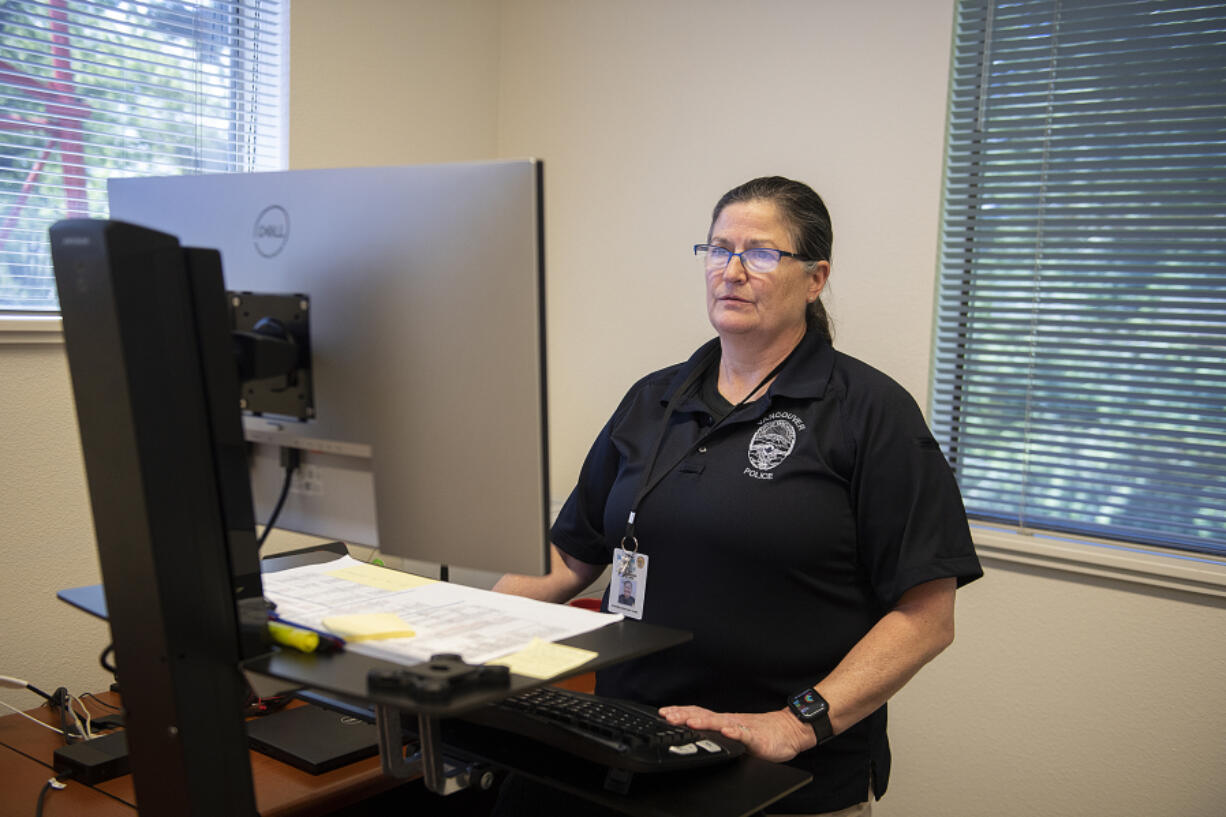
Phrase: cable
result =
(257, 706)
(30, 717)
(290, 457)
(70, 718)
(61, 700)
(101, 702)
(16, 683)
(106, 665)
(53, 783)
(38, 691)
(89, 719)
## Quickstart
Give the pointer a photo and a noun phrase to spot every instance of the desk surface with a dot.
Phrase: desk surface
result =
(26, 751)
(22, 778)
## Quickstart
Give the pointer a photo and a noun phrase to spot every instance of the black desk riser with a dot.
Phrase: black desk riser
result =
(737, 789)
(345, 673)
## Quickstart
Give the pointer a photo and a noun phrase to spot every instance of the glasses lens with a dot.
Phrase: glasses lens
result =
(761, 259)
(715, 258)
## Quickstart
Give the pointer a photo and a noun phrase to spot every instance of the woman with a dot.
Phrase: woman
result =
(785, 503)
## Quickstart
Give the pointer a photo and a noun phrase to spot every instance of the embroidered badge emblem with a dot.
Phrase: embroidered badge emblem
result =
(771, 444)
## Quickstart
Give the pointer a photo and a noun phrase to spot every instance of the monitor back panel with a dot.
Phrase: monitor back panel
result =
(426, 288)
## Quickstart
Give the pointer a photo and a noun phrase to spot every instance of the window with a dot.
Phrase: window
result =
(90, 90)
(1080, 377)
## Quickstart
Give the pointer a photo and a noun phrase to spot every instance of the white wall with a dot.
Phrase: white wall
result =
(1063, 694)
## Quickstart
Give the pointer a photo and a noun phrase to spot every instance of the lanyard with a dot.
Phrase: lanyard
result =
(647, 483)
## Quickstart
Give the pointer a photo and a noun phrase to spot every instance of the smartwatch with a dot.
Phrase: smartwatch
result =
(812, 709)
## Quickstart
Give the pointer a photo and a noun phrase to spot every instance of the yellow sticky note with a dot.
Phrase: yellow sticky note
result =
(383, 578)
(368, 626)
(544, 659)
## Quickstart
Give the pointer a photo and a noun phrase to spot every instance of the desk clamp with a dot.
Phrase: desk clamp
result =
(439, 774)
(434, 681)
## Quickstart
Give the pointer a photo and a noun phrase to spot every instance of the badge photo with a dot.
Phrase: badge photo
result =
(628, 587)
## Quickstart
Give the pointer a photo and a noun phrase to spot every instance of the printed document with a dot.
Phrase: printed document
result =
(478, 625)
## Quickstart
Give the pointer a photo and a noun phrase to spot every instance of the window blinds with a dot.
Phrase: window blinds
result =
(1080, 378)
(90, 90)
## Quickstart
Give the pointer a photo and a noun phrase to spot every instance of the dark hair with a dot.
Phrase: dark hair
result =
(808, 221)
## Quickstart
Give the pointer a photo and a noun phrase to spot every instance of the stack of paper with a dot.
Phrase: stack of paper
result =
(407, 618)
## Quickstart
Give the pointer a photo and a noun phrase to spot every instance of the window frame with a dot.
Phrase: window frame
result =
(1118, 559)
(258, 132)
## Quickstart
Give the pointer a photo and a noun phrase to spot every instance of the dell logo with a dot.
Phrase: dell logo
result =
(271, 230)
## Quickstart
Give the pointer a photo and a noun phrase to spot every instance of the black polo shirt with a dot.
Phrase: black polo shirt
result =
(779, 540)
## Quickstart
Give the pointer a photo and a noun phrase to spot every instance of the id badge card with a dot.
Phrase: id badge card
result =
(628, 588)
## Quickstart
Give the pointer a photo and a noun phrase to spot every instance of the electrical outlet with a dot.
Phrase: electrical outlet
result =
(308, 480)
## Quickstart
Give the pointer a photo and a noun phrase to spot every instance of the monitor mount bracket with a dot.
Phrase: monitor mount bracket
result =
(272, 349)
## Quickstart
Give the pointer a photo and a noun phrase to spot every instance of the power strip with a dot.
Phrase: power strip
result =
(94, 761)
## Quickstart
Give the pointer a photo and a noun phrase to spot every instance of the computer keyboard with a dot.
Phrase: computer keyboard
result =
(618, 734)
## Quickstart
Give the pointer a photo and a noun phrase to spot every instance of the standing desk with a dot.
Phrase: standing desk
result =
(740, 788)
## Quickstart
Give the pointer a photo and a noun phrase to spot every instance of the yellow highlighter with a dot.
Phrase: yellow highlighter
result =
(301, 640)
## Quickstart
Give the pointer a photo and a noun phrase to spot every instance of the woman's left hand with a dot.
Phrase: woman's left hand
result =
(775, 736)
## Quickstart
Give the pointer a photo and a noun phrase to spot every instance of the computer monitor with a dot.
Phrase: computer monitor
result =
(426, 298)
(153, 376)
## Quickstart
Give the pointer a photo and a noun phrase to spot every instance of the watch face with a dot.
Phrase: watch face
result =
(809, 704)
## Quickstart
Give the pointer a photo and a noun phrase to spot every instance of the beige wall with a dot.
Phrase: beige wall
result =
(46, 531)
(381, 82)
(1066, 695)
(1063, 694)
(646, 112)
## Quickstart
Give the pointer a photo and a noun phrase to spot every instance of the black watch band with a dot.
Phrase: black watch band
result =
(812, 709)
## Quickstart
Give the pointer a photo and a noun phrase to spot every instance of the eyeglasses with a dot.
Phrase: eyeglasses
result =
(755, 259)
